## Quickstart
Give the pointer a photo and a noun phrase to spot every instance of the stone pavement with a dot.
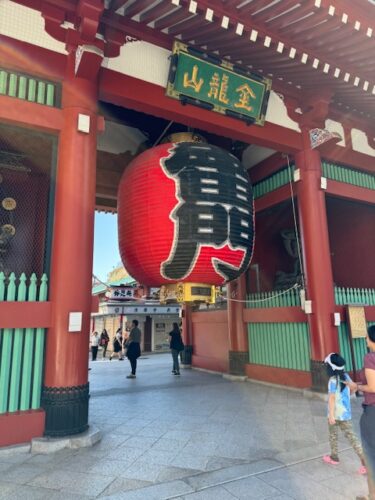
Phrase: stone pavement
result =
(194, 437)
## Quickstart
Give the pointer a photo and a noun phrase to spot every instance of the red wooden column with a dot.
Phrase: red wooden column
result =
(66, 390)
(237, 329)
(317, 261)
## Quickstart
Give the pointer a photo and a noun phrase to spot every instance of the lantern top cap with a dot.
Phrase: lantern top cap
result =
(183, 137)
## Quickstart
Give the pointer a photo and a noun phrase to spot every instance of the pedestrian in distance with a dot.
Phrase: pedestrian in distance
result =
(339, 410)
(133, 347)
(117, 345)
(366, 385)
(94, 345)
(176, 345)
(104, 340)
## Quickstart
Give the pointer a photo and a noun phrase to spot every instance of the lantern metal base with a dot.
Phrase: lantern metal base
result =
(188, 292)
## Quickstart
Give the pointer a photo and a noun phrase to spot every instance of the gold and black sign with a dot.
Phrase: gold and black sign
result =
(215, 84)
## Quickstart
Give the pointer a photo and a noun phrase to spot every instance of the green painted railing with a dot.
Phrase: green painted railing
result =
(283, 345)
(359, 345)
(273, 182)
(29, 88)
(21, 349)
(365, 296)
(276, 298)
(348, 175)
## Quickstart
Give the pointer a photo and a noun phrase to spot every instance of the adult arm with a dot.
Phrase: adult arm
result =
(370, 377)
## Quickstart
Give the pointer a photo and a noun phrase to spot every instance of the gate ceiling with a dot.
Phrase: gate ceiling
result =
(304, 45)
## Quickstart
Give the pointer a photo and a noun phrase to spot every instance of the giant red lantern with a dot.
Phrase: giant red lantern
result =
(185, 214)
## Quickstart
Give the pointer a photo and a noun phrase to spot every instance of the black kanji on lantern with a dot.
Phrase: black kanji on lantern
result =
(215, 208)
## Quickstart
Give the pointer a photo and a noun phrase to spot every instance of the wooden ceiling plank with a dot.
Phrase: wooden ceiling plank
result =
(156, 12)
(254, 6)
(136, 7)
(209, 27)
(116, 4)
(278, 10)
(172, 19)
(181, 27)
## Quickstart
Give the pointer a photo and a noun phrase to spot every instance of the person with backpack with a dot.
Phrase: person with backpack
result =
(176, 345)
(339, 410)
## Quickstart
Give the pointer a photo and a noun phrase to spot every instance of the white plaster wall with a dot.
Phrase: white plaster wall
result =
(334, 126)
(360, 142)
(27, 25)
(277, 113)
(142, 60)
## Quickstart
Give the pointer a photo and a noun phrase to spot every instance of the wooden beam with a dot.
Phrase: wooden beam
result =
(148, 98)
(30, 115)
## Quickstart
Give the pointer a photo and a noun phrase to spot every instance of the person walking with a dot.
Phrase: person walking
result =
(104, 340)
(94, 345)
(133, 347)
(117, 345)
(339, 410)
(366, 385)
(176, 345)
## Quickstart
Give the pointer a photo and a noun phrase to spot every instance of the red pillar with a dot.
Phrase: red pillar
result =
(317, 261)
(237, 329)
(66, 389)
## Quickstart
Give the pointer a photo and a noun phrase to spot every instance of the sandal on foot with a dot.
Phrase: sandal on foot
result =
(328, 460)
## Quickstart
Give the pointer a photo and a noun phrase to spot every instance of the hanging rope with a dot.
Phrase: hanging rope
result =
(296, 286)
(162, 134)
(266, 299)
(296, 232)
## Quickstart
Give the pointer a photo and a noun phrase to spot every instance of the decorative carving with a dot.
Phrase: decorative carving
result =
(320, 136)
(284, 280)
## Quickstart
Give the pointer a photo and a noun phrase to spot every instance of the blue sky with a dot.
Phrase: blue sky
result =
(106, 253)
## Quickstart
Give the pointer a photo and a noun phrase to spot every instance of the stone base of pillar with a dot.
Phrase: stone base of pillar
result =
(67, 410)
(319, 376)
(237, 362)
(186, 355)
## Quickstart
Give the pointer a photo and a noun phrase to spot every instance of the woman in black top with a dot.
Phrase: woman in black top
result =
(176, 346)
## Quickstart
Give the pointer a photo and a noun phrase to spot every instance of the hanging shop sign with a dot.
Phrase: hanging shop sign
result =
(185, 215)
(215, 84)
(120, 293)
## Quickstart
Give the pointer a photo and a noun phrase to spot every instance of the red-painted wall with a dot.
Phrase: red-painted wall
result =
(269, 252)
(352, 242)
(210, 340)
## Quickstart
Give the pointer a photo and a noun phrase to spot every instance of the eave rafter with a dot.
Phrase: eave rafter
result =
(301, 43)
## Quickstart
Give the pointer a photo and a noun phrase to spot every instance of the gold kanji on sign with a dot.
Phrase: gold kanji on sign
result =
(193, 82)
(246, 93)
(219, 88)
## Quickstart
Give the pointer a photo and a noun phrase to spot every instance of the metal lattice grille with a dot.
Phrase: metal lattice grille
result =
(26, 160)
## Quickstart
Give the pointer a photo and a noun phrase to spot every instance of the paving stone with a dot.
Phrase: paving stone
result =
(216, 493)
(121, 484)
(73, 482)
(230, 473)
(251, 488)
(155, 492)
(20, 473)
